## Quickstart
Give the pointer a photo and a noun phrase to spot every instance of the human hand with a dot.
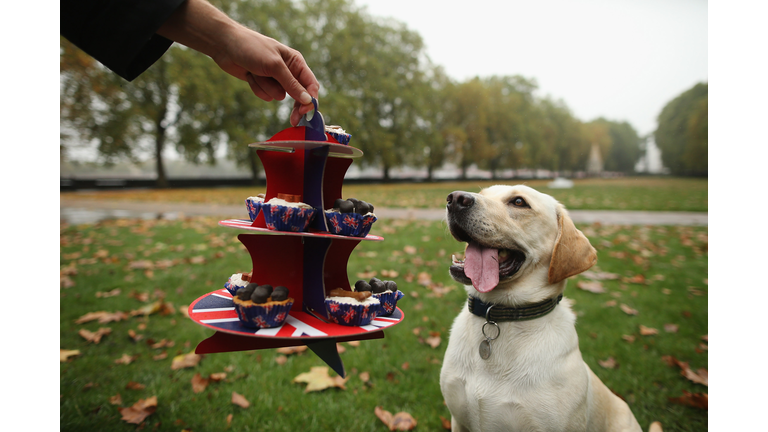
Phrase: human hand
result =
(270, 68)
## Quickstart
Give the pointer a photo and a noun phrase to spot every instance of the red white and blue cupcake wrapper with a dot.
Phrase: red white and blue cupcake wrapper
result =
(351, 314)
(254, 207)
(285, 218)
(263, 316)
(341, 138)
(388, 301)
(350, 224)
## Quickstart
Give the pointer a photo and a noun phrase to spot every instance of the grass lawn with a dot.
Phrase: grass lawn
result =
(128, 265)
(632, 193)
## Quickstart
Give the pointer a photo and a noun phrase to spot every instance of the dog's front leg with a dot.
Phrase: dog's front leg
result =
(456, 427)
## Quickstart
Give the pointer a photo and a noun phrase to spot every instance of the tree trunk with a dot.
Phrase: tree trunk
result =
(430, 172)
(254, 165)
(386, 174)
(162, 180)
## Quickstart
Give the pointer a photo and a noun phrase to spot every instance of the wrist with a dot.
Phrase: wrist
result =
(199, 25)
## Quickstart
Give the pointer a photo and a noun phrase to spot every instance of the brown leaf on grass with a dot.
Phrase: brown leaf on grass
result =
(105, 294)
(610, 303)
(410, 250)
(64, 355)
(591, 286)
(116, 399)
(628, 338)
(433, 340)
(446, 423)
(671, 328)
(66, 282)
(199, 383)
(94, 337)
(648, 331)
(700, 376)
(135, 336)
(292, 350)
(405, 366)
(636, 279)
(140, 296)
(628, 310)
(132, 385)
(317, 379)
(136, 413)
(240, 400)
(354, 343)
(367, 275)
(390, 273)
(424, 279)
(162, 356)
(655, 427)
(162, 343)
(102, 316)
(218, 376)
(696, 400)
(126, 359)
(598, 276)
(609, 363)
(365, 376)
(185, 361)
(401, 421)
(705, 338)
(340, 348)
(281, 359)
(229, 420)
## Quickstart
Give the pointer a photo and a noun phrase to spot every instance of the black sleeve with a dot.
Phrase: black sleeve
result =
(121, 34)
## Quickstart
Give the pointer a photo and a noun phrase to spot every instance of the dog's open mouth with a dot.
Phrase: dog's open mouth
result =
(484, 267)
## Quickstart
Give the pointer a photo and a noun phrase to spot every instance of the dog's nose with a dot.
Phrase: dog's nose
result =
(459, 200)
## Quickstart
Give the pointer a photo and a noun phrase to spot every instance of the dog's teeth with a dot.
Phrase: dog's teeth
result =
(503, 253)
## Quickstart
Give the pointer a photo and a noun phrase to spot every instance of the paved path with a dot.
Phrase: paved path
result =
(88, 211)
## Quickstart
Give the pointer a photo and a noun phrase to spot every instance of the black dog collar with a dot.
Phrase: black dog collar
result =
(493, 312)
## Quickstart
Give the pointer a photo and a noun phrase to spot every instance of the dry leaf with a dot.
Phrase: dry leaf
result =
(229, 420)
(636, 279)
(609, 363)
(424, 279)
(116, 399)
(106, 294)
(445, 422)
(292, 350)
(126, 359)
(628, 338)
(647, 331)
(94, 337)
(185, 361)
(433, 340)
(591, 286)
(135, 336)
(134, 386)
(162, 356)
(700, 376)
(139, 411)
(670, 328)
(102, 316)
(365, 376)
(405, 366)
(385, 416)
(239, 400)
(655, 427)
(354, 343)
(199, 383)
(597, 276)
(218, 376)
(367, 275)
(628, 310)
(610, 303)
(340, 348)
(410, 250)
(401, 421)
(64, 355)
(281, 359)
(696, 400)
(318, 379)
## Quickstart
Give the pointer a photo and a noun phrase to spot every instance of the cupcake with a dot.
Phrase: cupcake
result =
(350, 217)
(349, 308)
(237, 281)
(338, 134)
(253, 204)
(385, 291)
(281, 215)
(260, 306)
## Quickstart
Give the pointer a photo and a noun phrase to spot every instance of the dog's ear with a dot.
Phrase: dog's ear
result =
(573, 253)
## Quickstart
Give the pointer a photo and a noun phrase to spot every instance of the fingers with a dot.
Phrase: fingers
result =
(265, 87)
(298, 111)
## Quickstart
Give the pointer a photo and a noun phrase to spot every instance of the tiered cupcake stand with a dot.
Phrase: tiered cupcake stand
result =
(305, 161)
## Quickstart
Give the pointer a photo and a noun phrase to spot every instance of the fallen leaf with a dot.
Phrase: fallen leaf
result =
(340, 348)
(94, 337)
(647, 331)
(281, 359)
(401, 421)
(636, 279)
(628, 310)
(199, 383)
(136, 413)
(106, 294)
(354, 343)
(410, 250)
(126, 359)
(218, 376)
(365, 376)
(671, 328)
(318, 379)
(162, 356)
(367, 275)
(116, 399)
(292, 350)
(628, 338)
(385, 416)
(64, 355)
(591, 286)
(597, 276)
(655, 427)
(445, 422)
(696, 400)
(102, 316)
(229, 420)
(163, 343)
(134, 386)
(405, 366)
(610, 303)
(700, 376)
(135, 336)
(609, 363)
(185, 361)
(424, 279)
(433, 340)
(705, 338)
(240, 400)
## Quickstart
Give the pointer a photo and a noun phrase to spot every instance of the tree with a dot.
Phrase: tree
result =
(626, 146)
(682, 135)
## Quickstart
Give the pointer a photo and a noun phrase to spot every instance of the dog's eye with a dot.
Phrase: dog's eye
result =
(519, 202)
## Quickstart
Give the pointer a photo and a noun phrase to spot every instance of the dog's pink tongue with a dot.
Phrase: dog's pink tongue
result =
(481, 265)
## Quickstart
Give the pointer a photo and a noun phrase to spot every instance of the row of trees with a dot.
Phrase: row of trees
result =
(682, 134)
(377, 82)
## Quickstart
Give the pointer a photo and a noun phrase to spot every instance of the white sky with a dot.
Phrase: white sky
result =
(623, 60)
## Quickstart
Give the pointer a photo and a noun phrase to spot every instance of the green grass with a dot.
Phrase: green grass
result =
(677, 254)
(632, 193)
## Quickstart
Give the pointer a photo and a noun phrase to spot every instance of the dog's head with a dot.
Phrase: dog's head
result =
(521, 244)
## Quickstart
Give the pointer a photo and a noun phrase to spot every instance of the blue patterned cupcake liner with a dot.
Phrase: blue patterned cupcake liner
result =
(232, 287)
(254, 207)
(285, 218)
(267, 315)
(341, 138)
(351, 314)
(388, 301)
(350, 224)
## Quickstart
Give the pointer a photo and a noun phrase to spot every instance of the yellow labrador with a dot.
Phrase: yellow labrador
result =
(513, 361)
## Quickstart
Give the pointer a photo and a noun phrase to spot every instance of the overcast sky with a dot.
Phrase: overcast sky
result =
(622, 60)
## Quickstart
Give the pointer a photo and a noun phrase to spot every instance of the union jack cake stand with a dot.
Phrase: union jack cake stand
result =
(302, 161)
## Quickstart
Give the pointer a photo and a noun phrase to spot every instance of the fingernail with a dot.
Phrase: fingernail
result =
(305, 98)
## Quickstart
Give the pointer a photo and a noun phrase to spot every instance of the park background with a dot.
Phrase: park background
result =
(721, 43)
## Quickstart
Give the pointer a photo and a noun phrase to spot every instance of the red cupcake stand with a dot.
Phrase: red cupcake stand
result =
(304, 161)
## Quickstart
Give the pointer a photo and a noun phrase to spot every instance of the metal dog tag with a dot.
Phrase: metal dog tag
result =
(485, 349)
